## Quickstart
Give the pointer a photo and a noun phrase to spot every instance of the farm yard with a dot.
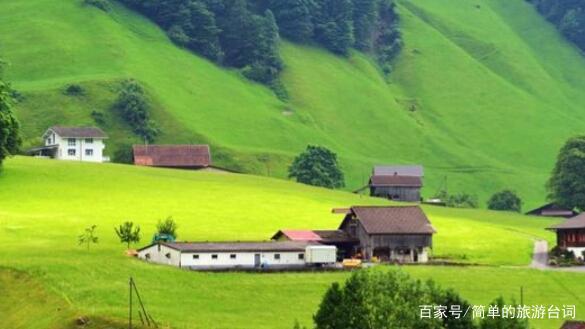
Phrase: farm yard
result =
(45, 205)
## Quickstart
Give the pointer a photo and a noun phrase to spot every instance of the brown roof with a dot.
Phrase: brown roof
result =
(332, 236)
(79, 132)
(238, 246)
(396, 180)
(392, 219)
(571, 223)
(552, 210)
(573, 325)
(187, 156)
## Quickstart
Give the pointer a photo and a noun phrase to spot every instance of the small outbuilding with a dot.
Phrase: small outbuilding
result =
(390, 233)
(172, 156)
(239, 255)
(399, 183)
(552, 210)
(344, 243)
(571, 234)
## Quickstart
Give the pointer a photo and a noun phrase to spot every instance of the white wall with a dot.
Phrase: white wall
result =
(80, 147)
(161, 254)
(577, 250)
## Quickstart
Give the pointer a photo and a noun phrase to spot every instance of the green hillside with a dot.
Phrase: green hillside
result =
(45, 205)
(482, 93)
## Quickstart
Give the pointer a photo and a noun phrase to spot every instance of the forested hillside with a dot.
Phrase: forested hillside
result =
(483, 94)
(567, 15)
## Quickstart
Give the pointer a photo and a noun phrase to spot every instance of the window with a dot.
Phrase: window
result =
(195, 256)
(71, 141)
(276, 256)
(71, 152)
(301, 256)
(214, 256)
(89, 141)
(158, 247)
(89, 152)
(147, 256)
(233, 256)
(49, 141)
(168, 255)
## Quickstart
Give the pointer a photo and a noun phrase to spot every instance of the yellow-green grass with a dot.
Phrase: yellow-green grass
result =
(494, 88)
(45, 204)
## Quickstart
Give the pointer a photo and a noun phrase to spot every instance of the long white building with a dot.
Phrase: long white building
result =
(234, 255)
(73, 143)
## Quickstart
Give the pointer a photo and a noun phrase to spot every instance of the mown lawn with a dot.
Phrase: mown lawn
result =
(45, 204)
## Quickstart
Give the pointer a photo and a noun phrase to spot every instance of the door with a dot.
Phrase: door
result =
(256, 260)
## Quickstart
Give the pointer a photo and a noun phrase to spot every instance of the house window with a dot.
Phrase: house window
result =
(276, 256)
(214, 256)
(71, 141)
(195, 256)
(89, 152)
(147, 256)
(158, 247)
(233, 256)
(71, 152)
(49, 141)
(301, 256)
(168, 255)
(89, 141)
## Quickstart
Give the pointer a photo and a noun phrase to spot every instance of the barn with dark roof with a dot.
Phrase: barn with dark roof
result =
(399, 183)
(172, 156)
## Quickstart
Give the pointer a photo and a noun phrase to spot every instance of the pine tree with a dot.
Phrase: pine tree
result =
(364, 23)
(334, 25)
(294, 19)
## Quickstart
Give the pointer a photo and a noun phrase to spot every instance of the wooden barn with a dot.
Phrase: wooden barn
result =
(390, 233)
(552, 210)
(344, 243)
(571, 234)
(399, 183)
(172, 156)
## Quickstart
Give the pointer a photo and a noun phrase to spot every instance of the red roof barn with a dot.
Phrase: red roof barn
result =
(172, 156)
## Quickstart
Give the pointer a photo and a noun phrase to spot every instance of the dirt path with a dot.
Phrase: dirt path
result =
(540, 255)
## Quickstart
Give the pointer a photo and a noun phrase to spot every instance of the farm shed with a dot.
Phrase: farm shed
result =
(390, 233)
(400, 183)
(571, 234)
(552, 210)
(236, 255)
(172, 156)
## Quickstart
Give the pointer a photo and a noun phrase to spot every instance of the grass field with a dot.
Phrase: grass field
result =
(484, 94)
(45, 204)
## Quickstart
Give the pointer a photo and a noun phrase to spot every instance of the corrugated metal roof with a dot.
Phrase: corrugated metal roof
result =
(402, 170)
(392, 219)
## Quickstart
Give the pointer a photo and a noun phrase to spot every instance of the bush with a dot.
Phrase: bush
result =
(462, 200)
(505, 200)
(133, 106)
(74, 90)
(98, 118)
(100, 4)
(123, 154)
(168, 226)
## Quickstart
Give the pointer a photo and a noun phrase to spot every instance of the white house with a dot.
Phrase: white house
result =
(73, 143)
(238, 255)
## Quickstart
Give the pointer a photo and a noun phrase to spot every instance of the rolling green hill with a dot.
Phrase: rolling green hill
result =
(483, 93)
(45, 205)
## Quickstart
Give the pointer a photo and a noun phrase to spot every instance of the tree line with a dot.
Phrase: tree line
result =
(10, 139)
(245, 34)
(567, 15)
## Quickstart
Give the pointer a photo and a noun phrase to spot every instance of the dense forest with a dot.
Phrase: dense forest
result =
(567, 15)
(245, 34)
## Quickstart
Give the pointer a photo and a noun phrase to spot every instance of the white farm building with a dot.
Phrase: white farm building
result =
(238, 255)
(73, 143)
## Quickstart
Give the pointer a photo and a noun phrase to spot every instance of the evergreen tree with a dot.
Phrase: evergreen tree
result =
(293, 18)
(334, 25)
(239, 34)
(9, 126)
(365, 19)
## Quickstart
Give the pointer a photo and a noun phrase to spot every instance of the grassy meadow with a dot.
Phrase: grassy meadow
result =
(45, 204)
(487, 111)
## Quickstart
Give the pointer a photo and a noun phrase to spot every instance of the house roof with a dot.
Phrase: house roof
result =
(334, 236)
(552, 210)
(395, 180)
(187, 156)
(391, 219)
(573, 325)
(78, 132)
(297, 235)
(571, 223)
(402, 170)
(283, 246)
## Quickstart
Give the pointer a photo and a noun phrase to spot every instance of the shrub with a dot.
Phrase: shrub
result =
(74, 90)
(168, 226)
(505, 200)
(100, 4)
(133, 106)
(462, 200)
(123, 154)
(98, 118)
